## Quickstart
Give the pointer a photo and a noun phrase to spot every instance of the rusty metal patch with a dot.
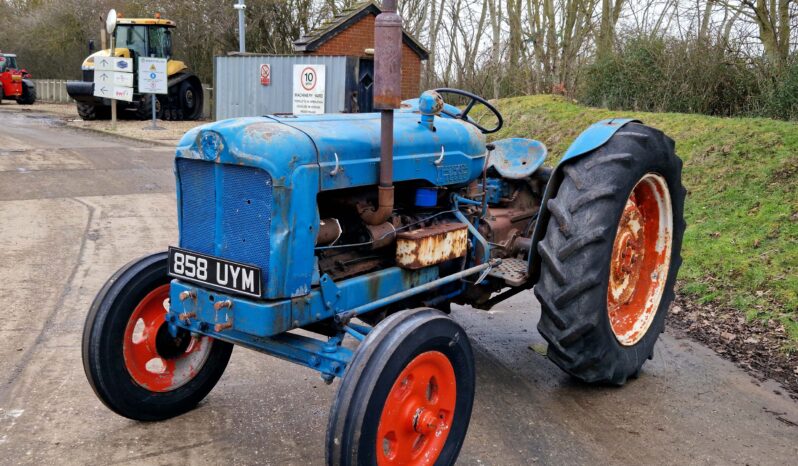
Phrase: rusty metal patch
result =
(432, 245)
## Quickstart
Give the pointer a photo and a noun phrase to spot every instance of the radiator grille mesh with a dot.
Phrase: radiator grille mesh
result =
(226, 211)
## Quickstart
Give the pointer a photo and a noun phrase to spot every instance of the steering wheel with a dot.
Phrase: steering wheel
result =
(474, 100)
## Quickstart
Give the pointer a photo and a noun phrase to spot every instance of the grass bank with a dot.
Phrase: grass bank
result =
(741, 245)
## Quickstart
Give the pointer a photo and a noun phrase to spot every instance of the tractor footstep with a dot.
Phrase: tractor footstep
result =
(512, 271)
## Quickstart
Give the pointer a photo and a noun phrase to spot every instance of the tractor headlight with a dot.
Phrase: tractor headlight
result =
(211, 144)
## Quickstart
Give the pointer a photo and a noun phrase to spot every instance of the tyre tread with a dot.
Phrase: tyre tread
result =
(575, 249)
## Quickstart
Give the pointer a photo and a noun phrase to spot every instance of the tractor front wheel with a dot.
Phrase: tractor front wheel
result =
(28, 96)
(406, 396)
(91, 112)
(610, 256)
(133, 363)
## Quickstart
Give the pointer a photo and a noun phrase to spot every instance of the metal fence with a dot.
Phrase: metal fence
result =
(239, 92)
(53, 91)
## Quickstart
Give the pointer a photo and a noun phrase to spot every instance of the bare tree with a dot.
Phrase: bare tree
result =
(773, 18)
(610, 14)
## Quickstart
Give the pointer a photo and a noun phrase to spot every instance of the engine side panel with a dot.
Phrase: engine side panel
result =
(307, 154)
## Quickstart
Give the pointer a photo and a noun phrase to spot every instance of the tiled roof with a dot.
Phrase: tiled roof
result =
(346, 18)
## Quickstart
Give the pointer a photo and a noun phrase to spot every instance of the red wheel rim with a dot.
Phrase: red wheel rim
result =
(418, 412)
(154, 359)
(641, 257)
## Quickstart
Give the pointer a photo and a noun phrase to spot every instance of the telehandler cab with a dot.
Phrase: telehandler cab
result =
(370, 226)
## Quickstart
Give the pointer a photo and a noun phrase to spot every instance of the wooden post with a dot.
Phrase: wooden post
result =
(113, 102)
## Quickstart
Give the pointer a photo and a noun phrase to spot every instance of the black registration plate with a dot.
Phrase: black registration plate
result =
(215, 272)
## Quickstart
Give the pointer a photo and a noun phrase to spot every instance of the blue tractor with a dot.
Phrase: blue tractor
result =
(298, 231)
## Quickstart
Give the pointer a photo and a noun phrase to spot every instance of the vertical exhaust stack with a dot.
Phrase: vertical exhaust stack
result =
(387, 97)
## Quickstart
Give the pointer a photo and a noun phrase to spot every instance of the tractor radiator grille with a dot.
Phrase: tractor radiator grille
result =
(225, 211)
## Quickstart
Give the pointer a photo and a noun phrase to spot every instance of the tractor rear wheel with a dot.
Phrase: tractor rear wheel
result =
(406, 396)
(610, 256)
(133, 363)
(144, 108)
(190, 96)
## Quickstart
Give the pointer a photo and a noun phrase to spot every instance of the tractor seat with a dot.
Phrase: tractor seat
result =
(517, 158)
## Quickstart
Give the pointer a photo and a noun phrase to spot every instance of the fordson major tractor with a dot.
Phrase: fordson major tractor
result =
(15, 83)
(338, 242)
(134, 38)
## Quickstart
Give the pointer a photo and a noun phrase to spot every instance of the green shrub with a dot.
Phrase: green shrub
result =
(658, 74)
(782, 98)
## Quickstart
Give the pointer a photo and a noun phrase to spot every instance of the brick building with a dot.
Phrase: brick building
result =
(351, 33)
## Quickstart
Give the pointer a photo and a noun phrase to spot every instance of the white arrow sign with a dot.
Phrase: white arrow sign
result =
(109, 91)
(105, 91)
(124, 65)
(114, 78)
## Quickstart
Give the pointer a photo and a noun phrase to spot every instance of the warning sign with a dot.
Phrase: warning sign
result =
(308, 89)
(152, 76)
(265, 74)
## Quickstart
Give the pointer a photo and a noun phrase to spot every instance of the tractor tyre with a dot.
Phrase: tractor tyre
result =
(191, 100)
(406, 395)
(144, 108)
(28, 96)
(90, 112)
(132, 361)
(610, 256)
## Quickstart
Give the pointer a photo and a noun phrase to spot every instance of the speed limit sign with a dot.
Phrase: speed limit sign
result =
(308, 78)
(309, 89)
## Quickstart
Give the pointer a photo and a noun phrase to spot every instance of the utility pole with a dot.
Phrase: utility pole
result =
(242, 39)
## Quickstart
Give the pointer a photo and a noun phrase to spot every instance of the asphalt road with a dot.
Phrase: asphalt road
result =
(75, 206)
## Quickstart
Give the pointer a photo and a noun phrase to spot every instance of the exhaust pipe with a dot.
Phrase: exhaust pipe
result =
(387, 97)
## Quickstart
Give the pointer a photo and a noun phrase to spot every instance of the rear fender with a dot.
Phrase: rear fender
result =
(29, 83)
(591, 139)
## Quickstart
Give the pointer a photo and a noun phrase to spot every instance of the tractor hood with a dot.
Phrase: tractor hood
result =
(344, 147)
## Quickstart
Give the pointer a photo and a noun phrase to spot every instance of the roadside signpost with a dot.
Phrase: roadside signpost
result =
(153, 80)
(108, 90)
(113, 78)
